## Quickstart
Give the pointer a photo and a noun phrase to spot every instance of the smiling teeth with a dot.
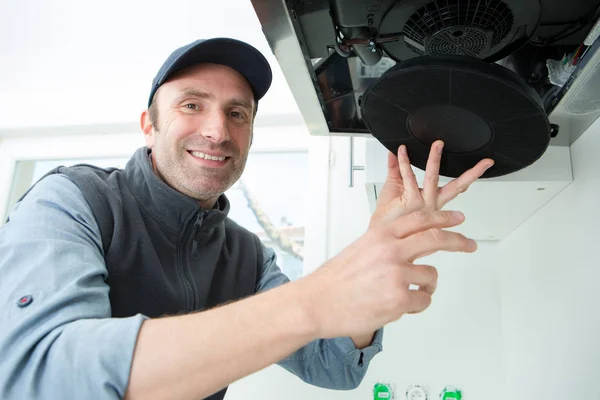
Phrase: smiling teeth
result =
(206, 156)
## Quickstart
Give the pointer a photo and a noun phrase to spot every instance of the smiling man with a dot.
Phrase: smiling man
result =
(135, 284)
(210, 98)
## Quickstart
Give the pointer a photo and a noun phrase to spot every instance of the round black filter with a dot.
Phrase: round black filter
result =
(479, 110)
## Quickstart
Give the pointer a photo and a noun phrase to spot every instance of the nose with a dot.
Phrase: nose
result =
(215, 127)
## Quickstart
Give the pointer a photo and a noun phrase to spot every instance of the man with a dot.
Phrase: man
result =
(134, 283)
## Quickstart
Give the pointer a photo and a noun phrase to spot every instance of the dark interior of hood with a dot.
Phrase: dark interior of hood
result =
(472, 73)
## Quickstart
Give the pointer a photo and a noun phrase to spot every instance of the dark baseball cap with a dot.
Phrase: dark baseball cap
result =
(236, 54)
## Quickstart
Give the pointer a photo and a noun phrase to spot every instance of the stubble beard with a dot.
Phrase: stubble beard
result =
(197, 182)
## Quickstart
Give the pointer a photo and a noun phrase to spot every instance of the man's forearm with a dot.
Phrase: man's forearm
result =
(193, 356)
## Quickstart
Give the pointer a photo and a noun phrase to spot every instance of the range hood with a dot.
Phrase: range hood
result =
(515, 80)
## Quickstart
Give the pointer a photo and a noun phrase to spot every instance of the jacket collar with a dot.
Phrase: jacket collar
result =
(165, 204)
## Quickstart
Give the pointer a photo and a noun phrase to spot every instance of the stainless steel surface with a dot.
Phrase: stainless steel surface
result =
(285, 39)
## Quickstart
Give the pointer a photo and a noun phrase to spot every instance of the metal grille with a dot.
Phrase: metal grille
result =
(464, 41)
(458, 26)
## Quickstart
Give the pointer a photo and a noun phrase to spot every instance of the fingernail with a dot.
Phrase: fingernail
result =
(489, 165)
(472, 245)
(403, 149)
(440, 148)
(458, 214)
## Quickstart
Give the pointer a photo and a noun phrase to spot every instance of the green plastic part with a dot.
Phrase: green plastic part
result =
(451, 394)
(382, 391)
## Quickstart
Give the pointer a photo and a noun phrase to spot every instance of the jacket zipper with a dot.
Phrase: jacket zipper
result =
(197, 226)
(182, 270)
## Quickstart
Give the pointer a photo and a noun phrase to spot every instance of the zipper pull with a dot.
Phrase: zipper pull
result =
(197, 225)
(194, 247)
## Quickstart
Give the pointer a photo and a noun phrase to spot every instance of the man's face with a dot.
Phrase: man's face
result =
(204, 131)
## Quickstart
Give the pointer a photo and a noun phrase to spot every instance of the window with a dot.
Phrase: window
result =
(41, 167)
(270, 199)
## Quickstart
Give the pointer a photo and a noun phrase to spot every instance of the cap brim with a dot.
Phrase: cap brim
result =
(242, 57)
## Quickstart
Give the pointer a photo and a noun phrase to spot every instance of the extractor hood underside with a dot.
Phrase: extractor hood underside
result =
(328, 87)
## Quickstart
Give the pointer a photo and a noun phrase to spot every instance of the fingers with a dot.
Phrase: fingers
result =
(420, 221)
(432, 175)
(411, 187)
(462, 183)
(418, 301)
(393, 168)
(425, 276)
(428, 242)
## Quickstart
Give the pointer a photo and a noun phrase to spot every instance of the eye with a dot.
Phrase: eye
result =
(236, 114)
(191, 106)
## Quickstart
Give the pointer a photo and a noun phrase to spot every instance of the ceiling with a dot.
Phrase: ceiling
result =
(67, 62)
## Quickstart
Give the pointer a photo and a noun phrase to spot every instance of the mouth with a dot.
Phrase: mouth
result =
(214, 160)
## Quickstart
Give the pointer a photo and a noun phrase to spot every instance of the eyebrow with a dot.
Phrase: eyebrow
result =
(190, 92)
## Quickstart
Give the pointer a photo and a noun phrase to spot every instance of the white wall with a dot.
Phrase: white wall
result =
(550, 276)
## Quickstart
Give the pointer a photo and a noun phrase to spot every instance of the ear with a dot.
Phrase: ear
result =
(147, 128)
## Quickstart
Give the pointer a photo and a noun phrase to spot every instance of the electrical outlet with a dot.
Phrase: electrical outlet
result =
(416, 392)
